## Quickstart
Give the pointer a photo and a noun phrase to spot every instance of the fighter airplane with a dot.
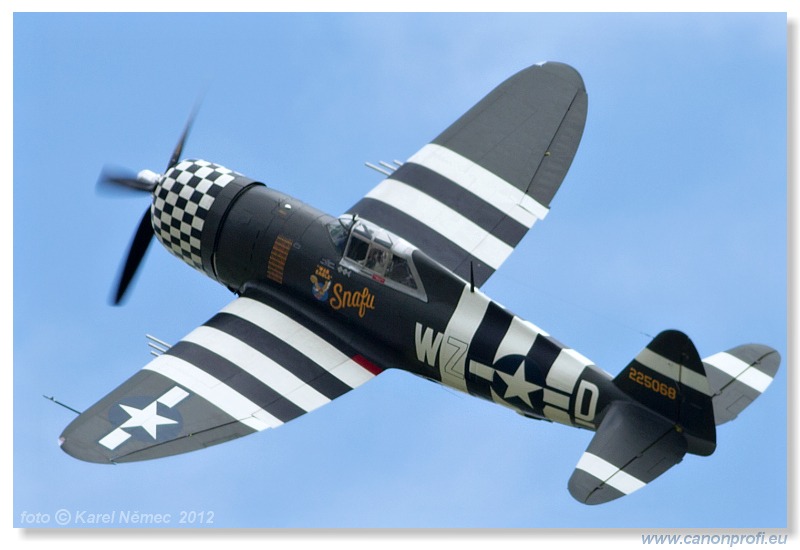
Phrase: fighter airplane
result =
(324, 304)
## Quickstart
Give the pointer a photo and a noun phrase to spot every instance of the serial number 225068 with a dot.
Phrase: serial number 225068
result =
(652, 384)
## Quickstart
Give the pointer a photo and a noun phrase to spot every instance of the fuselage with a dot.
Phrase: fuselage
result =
(389, 300)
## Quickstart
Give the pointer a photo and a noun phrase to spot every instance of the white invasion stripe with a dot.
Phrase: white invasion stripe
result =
(566, 369)
(756, 379)
(302, 339)
(457, 336)
(351, 373)
(518, 339)
(609, 474)
(740, 370)
(260, 366)
(481, 182)
(535, 328)
(212, 390)
(670, 369)
(727, 363)
(444, 220)
(557, 415)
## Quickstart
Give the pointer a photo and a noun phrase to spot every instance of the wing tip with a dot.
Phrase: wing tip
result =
(82, 452)
(564, 71)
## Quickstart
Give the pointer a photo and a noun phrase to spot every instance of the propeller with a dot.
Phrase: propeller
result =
(120, 180)
(138, 247)
(116, 180)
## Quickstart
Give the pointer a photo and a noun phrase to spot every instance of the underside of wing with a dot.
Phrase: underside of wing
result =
(467, 198)
(249, 368)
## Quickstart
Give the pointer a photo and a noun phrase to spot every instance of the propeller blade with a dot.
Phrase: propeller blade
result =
(147, 181)
(176, 154)
(116, 180)
(141, 241)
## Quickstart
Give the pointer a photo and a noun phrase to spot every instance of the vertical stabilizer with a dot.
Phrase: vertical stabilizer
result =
(669, 378)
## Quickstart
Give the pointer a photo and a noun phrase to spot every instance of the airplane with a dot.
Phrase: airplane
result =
(324, 304)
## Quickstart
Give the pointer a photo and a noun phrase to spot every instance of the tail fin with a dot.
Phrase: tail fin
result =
(670, 413)
(669, 378)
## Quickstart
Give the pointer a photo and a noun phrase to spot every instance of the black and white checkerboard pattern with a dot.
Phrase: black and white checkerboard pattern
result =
(181, 204)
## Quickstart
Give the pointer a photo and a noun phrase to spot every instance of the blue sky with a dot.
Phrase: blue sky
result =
(672, 216)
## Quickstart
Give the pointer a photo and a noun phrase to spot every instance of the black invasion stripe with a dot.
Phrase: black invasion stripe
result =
(237, 379)
(321, 328)
(544, 352)
(438, 247)
(475, 209)
(282, 353)
(490, 334)
(267, 300)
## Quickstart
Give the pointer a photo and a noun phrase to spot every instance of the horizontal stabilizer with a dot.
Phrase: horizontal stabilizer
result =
(738, 376)
(631, 448)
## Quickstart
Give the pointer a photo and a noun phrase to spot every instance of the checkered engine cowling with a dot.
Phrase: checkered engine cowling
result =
(181, 203)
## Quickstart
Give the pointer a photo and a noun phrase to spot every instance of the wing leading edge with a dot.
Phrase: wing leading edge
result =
(249, 368)
(471, 195)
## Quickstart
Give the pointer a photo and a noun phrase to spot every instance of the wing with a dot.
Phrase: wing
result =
(249, 368)
(470, 196)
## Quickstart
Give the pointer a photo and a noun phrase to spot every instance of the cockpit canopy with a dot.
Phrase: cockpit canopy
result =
(374, 252)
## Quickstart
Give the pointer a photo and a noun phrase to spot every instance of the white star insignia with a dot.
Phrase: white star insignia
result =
(518, 386)
(147, 418)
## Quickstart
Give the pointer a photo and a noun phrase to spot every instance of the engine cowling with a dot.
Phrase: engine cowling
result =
(190, 203)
